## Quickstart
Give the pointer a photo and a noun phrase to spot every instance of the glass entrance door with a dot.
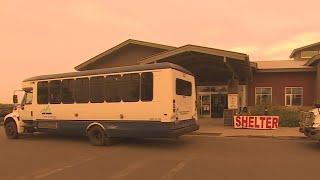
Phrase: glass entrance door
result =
(205, 106)
(219, 103)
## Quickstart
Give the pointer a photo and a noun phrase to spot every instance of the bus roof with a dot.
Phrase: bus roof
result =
(154, 66)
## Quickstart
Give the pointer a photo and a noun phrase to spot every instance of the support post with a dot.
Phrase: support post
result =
(317, 94)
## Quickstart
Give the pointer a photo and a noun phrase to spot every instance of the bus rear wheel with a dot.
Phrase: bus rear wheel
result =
(97, 136)
(11, 130)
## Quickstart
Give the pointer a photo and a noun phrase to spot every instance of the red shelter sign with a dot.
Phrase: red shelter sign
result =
(256, 122)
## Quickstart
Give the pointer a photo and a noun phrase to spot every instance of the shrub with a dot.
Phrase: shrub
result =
(289, 116)
(5, 109)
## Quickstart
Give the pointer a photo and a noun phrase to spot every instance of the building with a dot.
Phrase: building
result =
(226, 79)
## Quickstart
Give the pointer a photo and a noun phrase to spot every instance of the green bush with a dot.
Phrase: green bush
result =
(289, 116)
(5, 109)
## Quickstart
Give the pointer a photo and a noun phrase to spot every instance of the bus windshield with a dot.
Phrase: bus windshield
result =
(27, 99)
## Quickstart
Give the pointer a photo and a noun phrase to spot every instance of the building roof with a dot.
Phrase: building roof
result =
(170, 51)
(194, 48)
(121, 45)
(302, 48)
(314, 60)
(283, 66)
(122, 69)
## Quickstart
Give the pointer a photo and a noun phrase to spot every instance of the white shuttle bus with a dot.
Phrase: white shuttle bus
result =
(141, 101)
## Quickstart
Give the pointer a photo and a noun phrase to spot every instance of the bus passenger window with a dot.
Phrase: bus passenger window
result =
(55, 92)
(97, 89)
(131, 87)
(183, 87)
(146, 86)
(113, 88)
(67, 91)
(82, 90)
(43, 92)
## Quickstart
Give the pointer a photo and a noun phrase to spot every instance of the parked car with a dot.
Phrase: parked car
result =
(310, 123)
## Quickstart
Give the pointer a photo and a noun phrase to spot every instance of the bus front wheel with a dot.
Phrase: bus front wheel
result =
(11, 130)
(97, 136)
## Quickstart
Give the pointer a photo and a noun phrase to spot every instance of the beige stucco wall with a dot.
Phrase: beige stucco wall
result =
(125, 56)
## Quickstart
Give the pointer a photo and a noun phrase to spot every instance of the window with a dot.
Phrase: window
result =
(82, 90)
(183, 87)
(55, 92)
(43, 92)
(113, 88)
(131, 87)
(97, 89)
(27, 99)
(67, 91)
(294, 96)
(146, 86)
(263, 96)
(308, 54)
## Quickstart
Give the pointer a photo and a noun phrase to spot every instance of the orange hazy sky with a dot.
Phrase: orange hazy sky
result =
(44, 37)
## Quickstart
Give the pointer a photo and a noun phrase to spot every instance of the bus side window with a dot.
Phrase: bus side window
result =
(113, 88)
(97, 89)
(183, 87)
(55, 92)
(131, 87)
(68, 91)
(147, 86)
(82, 90)
(43, 92)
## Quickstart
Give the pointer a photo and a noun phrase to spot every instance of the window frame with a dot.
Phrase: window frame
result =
(104, 89)
(126, 99)
(176, 87)
(76, 91)
(291, 95)
(152, 90)
(25, 97)
(255, 94)
(47, 84)
(63, 100)
(60, 91)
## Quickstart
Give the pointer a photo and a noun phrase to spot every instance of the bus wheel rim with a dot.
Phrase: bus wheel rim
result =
(10, 130)
(97, 135)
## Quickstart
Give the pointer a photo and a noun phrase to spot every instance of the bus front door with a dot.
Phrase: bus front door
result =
(26, 110)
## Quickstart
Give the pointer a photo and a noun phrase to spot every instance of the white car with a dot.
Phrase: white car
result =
(310, 124)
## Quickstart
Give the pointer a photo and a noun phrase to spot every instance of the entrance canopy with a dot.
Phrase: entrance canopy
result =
(210, 66)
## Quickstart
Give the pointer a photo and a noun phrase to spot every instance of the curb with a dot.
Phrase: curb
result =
(271, 137)
(248, 136)
(206, 134)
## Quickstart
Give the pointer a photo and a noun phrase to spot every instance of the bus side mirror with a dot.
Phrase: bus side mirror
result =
(15, 99)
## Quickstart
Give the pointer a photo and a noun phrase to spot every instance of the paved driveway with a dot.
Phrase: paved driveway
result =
(190, 157)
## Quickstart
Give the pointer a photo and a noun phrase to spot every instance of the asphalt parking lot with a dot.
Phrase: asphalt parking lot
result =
(189, 157)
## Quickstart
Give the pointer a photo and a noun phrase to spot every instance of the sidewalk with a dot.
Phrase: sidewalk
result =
(215, 127)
